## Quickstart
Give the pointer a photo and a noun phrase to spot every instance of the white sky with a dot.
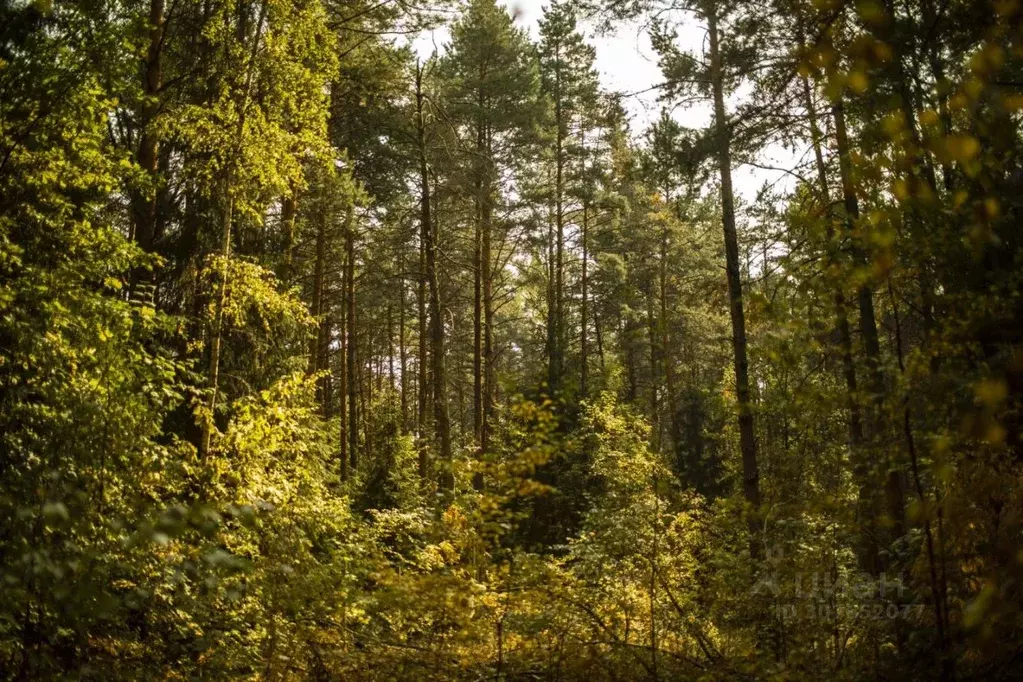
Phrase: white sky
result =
(627, 64)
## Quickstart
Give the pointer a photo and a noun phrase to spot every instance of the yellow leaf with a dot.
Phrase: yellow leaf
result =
(871, 11)
(929, 117)
(858, 82)
(900, 189)
(961, 148)
(991, 207)
(991, 391)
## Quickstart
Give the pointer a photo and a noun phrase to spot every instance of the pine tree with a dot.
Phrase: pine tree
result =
(569, 83)
(720, 70)
(490, 93)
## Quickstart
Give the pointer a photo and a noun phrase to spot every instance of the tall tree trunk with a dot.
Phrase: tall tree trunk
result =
(552, 304)
(942, 86)
(558, 319)
(938, 586)
(390, 348)
(325, 384)
(213, 383)
(868, 500)
(316, 305)
(584, 307)
(747, 442)
(145, 202)
(403, 344)
(482, 186)
(488, 336)
(421, 361)
(666, 358)
(353, 367)
(376, 363)
(655, 372)
(841, 315)
(289, 210)
(216, 333)
(343, 375)
(477, 326)
(365, 375)
(441, 419)
(421, 293)
(628, 346)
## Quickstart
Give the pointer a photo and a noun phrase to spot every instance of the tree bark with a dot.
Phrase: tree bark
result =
(352, 357)
(868, 502)
(655, 372)
(390, 348)
(145, 202)
(343, 377)
(747, 442)
(216, 333)
(488, 333)
(421, 362)
(669, 370)
(441, 419)
(289, 210)
(316, 307)
(841, 315)
(584, 307)
(558, 318)
(477, 324)
(403, 345)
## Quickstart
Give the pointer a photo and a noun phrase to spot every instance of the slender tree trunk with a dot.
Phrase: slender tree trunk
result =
(365, 375)
(216, 333)
(942, 86)
(628, 346)
(488, 336)
(938, 587)
(552, 304)
(478, 368)
(557, 357)
(865, 297)
(421, 362)
(227, 216)
(352, 358)
(747, 442)
(390, 348)
(376, 363)
(868, 502)
(655, 373)
(477, 328)
(841, 315)
(584, 308)
(289, 209)
(441, 419)
(325, 384)
(918, 218)
(145, 202)
(666, 359)
(343, 375)
(403, 345)
(316, 305)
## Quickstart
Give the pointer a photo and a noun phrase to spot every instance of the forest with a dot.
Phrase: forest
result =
(380, 340)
